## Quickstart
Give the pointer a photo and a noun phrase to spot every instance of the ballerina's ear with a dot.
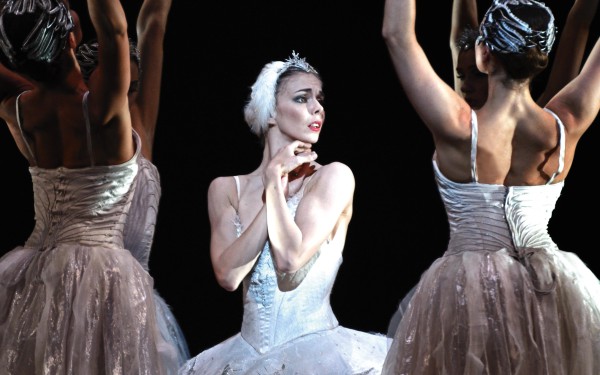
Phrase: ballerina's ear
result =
(482, 57)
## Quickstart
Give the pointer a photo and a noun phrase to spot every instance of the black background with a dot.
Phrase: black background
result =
(213, 52)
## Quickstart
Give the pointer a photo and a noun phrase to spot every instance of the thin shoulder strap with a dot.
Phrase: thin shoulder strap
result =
(25, 140)
(86, 116)
(474, 134)
(237, 186)
(239, 228)
(561, 155)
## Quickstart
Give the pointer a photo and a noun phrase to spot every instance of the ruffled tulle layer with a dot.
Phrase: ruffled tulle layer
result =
(170, 330)
(493, 313)
(339, 351)
(79, 310)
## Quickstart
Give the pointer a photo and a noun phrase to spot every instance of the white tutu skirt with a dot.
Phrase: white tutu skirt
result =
(339, 351)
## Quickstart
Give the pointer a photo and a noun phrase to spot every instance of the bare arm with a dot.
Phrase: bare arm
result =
(325, 209)
(110, 83)
(11, 85)
(442, 110)
(232, 257)
(578, 103)
(464, 14)
(295, 240)
(571, 48)
(151, 27)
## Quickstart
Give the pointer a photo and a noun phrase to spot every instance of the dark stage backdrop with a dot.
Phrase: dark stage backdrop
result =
(214, 51)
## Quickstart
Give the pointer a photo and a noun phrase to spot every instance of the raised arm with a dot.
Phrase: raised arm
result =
(436, 103)
(578, 103)
(11, 84)
(151, 28)
(464, 14)
(571, 48)
(110, 83)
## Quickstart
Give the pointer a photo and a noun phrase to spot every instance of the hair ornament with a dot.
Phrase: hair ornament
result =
(504, 32)
(87, 56)
(47, 38)
(297, 63)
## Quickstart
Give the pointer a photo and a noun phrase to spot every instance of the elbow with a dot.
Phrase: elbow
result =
(391, 38)
(290, 279)
(227, 281)
(116, 25)
(285, 268)
(389, 34)
(291, 261)
(151, 28)
(289, 265)
(386, 33)
(230, 287)
(120, 31)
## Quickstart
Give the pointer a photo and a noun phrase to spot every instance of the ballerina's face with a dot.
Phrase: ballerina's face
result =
(473, 83)
(299, 111)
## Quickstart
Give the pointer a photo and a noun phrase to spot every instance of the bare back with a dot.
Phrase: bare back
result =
(520, 149)
(52, 131)
(50, 126)
(518, 140)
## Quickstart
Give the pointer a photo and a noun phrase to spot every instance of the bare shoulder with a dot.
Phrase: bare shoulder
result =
(8, 101)
(336, 172)
(7, 109)
(221, 185)
(333, 180)
(333, 188)
(221, 196)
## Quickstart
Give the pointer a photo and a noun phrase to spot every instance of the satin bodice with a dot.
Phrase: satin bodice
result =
(490, 217)
(494, 217)
(141, 221)
(273, 317)
(84, 205)
(503, 299)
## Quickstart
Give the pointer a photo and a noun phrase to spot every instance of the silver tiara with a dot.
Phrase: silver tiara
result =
(297, 63)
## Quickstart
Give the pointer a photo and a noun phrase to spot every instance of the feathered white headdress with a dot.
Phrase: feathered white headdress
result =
(261, 105)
